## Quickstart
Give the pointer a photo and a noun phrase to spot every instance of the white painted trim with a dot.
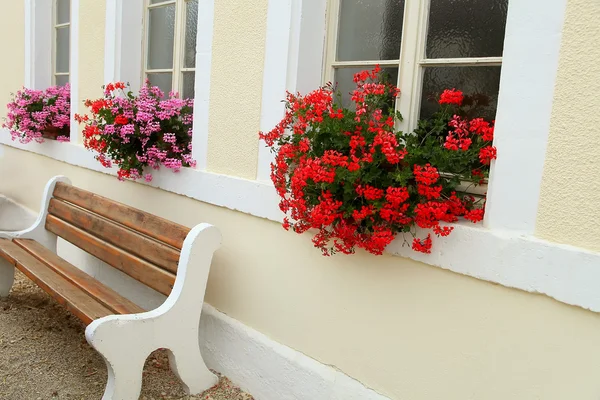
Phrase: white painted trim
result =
(269, 370)
(123, 42)
(302, 24)
(530, 61)
(204, 39)
(248, 196)
(279, 24)
(568, 274)
(38, 44)
(74, 70)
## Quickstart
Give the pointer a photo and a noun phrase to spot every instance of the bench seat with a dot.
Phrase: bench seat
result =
(87, 298)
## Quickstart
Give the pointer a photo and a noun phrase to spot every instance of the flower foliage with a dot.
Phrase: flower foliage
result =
(30, 112)
(135, 132)
(351, 176)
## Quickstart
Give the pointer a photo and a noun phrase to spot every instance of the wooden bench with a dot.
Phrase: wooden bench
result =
(165, 256)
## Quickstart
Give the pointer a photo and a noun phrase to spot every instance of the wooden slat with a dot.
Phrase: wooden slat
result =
(138, 268)
(72, 297)
(152, 250)
(103, 294)
(151, 225)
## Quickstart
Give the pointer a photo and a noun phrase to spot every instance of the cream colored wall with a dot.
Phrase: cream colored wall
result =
(92, 22)
(406, 329)
(568, 208)
(236, 85)
(12, 32)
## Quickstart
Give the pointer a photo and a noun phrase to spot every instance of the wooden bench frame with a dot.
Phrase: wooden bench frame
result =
(125, 341)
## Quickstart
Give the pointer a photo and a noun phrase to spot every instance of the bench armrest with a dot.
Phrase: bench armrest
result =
(38, 231)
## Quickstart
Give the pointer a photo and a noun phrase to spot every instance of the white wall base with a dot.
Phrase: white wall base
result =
(269, 370)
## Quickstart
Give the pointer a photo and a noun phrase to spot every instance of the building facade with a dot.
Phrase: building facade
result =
(507, 309)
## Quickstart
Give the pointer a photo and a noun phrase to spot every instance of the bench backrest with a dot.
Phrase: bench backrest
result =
(142, 245)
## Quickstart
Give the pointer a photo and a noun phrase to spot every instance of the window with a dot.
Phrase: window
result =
(423, 45)
(62, 42)
(170, 45)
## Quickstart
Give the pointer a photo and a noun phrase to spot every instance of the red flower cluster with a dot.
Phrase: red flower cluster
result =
(348, 174)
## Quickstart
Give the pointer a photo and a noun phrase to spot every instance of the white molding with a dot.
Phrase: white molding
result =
(566, 273)
(248, 196)
(530, 61)
(123, 42)
(38, 44)
(269, 370)
(204, 39)
(275, 76)
(74, 70)
(294, 51)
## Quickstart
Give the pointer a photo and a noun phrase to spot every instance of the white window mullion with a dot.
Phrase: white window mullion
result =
(414, 34)
(333, 14)
(178, 45)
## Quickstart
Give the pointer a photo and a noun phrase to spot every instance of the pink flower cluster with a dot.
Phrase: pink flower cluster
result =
(30, 112)
(135, 132)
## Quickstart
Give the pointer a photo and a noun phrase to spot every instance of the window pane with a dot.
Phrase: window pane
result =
(61, 80)
(163, 80)
(482, 82)
(187, 91)
(161, 36)
(345, 83)
(191, 28)
(466, 28)
(370, 30)
(63, 11)
(62, 49)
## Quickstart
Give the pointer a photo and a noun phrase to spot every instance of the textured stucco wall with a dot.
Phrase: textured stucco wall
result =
(406, 329)
(92, 22)
(568, 209)
(236, 86)
(12, 40)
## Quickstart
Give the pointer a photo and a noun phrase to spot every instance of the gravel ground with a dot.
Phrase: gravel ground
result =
(44, 356)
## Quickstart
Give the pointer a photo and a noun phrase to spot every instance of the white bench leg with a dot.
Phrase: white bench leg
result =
(124, 378)
(187, 364)
(7, 277)
(125, 341)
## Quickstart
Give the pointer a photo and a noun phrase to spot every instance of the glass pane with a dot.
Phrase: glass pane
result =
(163, 80)
(61, 80)
(161, 36)
(345, 83)
(481, 82)
(370, 30)
(187, 90)
(62, 49)
(63, 11)
(191, 28)
(466, 28)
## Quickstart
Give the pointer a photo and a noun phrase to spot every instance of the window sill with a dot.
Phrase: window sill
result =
(566, 273)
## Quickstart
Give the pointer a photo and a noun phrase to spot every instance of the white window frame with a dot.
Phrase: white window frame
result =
(55, 27)
(178, 46)
(411, 61)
